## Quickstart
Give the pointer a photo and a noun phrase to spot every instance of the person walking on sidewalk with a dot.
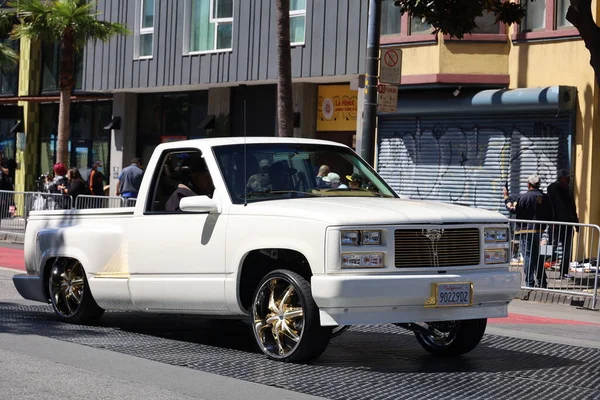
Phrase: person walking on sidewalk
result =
(130, 180)
(565, 210)
(532, 205)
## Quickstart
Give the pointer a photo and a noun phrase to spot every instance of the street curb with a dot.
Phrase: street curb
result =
(556, 298)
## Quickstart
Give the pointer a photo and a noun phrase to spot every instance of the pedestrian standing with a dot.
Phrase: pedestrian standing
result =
(130, 180)
(76, 185)
(565, 210)
(532, 205)
(96, 180)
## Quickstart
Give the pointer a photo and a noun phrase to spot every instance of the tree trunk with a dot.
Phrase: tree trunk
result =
(66, 84)
(64, 126)
(285, 112)
(580, 15)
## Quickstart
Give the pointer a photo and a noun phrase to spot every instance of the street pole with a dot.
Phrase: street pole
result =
(367, 150)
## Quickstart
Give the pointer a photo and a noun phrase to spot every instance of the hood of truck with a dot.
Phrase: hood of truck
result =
(370, 211)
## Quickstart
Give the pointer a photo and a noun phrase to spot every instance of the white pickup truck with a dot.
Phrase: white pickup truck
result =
(248, 228)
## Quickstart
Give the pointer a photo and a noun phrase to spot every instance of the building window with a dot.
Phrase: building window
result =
(561, 14)
(487, 23)
(535, 18)
(297, 21)
(146, 34)
(419, 27)
(9, 77)
(390, 19)
(51, 68)
(546, 16)
(211, 25)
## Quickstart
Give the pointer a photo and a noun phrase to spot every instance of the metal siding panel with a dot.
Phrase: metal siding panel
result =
(272, 70)
(362, 39)
(467, 160)
(214, 68)
(244, 41)
(195, 70)
(342, 39)
(105, 62)
(354, 28)
(264, 38)
(178, 51)
(186, 68)
(144, 73)
(307, 48)
(160, 48)
(296, 61)
(112, 64)
(131, 76)
(318, 29)
(205, 66)
(254, 36)
(330, 37)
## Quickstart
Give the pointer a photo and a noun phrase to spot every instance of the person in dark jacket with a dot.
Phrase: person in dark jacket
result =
(565, 210)
(195, 180)
(76, 185)
(532, 205)
(96, 180)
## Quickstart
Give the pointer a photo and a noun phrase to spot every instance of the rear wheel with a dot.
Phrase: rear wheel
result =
(286, 321)
(69, 292)
(452, 338)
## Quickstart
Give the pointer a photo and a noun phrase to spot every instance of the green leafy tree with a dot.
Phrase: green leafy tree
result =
(457, 18)
(71, 23)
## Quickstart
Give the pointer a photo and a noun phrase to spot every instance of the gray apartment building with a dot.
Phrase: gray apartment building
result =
(191, 66)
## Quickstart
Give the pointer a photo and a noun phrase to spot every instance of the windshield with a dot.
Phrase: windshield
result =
(277, 171)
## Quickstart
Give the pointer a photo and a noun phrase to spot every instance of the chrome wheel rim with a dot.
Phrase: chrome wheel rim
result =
(67, 287)
(278, 313)
(444, 334)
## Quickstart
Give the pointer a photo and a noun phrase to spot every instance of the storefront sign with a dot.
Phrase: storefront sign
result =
(337, 108)
(387, 100)
(390, 66)
(167, 139)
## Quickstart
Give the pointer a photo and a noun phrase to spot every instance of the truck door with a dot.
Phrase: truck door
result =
(177, 260)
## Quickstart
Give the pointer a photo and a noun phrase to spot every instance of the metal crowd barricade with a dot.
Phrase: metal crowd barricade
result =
(130, 202)
(16, 206)
(84, 202)
(558, 257)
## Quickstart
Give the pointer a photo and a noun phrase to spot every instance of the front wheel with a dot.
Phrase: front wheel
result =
(70, 294)
(285, 317)
(452, 338)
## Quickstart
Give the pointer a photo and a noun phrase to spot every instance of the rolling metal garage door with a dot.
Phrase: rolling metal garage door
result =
(467, 160)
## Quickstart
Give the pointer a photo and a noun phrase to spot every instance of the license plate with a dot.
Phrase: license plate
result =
(451, 294)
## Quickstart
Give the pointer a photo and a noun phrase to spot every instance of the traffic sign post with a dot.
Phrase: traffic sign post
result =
(390, 69)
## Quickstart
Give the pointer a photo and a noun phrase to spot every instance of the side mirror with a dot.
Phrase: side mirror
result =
(199, 204)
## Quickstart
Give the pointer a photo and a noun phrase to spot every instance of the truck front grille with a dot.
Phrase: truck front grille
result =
(437, 247)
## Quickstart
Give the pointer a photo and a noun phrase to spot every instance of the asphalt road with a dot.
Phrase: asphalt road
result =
(539, 352)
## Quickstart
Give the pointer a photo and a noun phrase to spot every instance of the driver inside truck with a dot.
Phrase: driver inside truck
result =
(194, 180)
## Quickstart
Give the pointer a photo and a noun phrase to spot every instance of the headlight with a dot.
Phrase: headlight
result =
(350, 238)
(492, 235)
(362, 260)
(371, 237)
(496, 256)
(356, 238)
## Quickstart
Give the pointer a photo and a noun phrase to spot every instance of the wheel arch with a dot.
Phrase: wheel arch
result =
(259, 262)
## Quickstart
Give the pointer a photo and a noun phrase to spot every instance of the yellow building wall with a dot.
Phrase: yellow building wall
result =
(420, 59)
(474, 58)
(535, 64)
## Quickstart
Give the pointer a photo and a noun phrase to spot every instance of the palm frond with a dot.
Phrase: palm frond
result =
(8, 57)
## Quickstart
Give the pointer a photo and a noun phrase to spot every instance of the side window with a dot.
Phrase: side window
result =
(181, 173)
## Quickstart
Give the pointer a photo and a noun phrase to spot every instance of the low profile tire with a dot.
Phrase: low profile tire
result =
(460, 337)
(285, 319)
(338, 330)
(69, 293)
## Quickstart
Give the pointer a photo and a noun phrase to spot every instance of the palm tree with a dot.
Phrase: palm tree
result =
(285, 113)
(71, 23)
(8, 57)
